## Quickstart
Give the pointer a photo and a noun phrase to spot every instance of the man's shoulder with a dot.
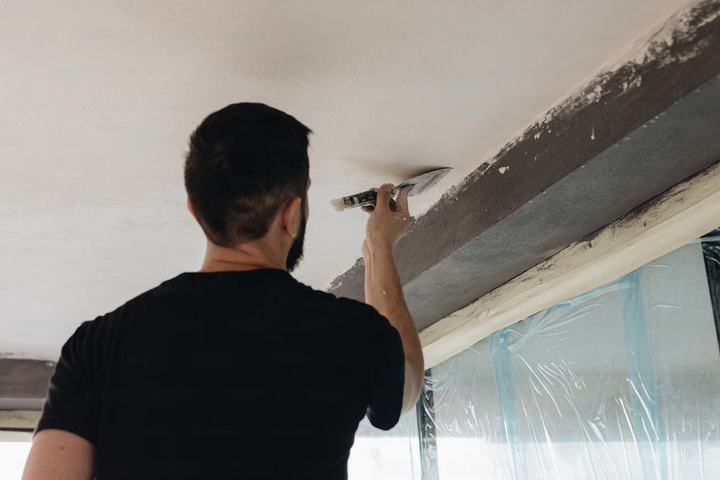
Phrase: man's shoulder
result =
(113, 318)
(344, 304)
(357, 317)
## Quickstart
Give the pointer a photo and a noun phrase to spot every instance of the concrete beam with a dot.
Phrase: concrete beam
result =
(646, 123)
(24, 383)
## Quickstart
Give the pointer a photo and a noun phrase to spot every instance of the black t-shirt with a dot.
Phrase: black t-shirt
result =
(220, 375)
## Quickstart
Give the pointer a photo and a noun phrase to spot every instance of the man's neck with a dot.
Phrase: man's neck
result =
(246, 257)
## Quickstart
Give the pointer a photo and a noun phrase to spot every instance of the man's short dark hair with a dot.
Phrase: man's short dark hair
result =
(244, 162)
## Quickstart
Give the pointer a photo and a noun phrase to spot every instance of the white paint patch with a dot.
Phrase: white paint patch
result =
(635, 82)
(595, 95)
(677, 28)
(502, 170)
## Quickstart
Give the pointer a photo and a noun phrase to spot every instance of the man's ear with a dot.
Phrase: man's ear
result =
(292, 216)
(190, 209)
(306, 203)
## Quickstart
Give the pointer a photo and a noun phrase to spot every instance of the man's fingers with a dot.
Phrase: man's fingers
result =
(384, 195)
(402, 200)
(393, 206)
(370, 208)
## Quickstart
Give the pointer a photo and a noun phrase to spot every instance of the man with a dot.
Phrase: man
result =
(237, 370)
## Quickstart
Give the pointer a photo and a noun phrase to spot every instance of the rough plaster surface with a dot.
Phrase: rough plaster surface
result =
(97, 100)
(652, 159)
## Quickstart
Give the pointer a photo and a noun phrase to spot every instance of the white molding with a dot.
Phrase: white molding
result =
(669, 221)
(15, 437)
(27, 419)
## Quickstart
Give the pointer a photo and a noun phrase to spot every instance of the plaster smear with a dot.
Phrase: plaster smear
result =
(651, 48)
(98, 99)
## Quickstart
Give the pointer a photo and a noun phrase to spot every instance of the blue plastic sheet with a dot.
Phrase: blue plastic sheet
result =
(620, 383)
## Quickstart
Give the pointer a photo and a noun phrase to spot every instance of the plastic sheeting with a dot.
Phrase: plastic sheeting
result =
(620, 383)
(386, 455)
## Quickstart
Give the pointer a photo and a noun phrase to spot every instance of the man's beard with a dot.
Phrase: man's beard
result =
(296, 249)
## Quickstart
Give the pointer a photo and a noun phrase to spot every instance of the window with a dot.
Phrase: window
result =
(391, 455)
(622, 382)
(12, 459)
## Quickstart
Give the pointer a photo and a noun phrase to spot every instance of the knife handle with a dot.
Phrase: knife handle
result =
(368, 197)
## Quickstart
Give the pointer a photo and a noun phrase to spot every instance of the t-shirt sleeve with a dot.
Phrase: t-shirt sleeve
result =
(384, 369)
(72, 402)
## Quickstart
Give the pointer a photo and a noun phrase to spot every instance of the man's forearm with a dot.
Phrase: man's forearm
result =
(384, 292)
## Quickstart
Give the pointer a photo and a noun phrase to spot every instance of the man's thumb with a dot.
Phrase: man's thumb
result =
(383, 197)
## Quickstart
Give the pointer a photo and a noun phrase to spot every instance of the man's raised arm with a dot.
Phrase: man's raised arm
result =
(387, 223)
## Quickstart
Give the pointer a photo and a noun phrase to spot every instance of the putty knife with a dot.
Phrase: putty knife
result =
(420, 184)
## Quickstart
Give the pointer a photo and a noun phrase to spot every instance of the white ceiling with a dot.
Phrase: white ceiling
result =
(97, 99)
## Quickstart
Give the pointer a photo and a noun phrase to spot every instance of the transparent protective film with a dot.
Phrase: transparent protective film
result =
(620, 383)
(386, 455)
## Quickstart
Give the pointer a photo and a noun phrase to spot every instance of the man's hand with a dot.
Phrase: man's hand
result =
(389, 220)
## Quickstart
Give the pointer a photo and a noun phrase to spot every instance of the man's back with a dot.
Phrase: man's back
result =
(234, 374)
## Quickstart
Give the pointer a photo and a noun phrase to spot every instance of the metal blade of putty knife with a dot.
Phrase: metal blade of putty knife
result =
(423, 183)
(420, 184)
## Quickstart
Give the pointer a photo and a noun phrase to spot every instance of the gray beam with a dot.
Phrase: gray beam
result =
(24, 383)
(569, 175)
